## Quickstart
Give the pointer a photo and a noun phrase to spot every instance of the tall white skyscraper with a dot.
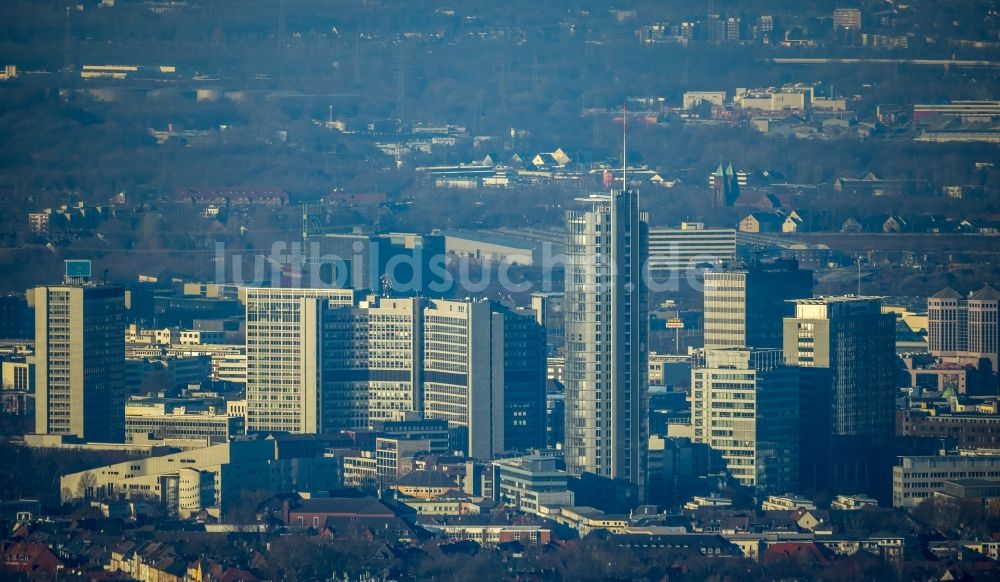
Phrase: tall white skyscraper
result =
(284, 357)
(607, 425)
(80, 361)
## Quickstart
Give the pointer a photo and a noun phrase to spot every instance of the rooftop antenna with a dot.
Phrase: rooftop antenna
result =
(859, 275)
(624, 151)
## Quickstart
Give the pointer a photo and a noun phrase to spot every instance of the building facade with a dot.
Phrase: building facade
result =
(675, 251)
(549, 313)
(745, 305)
(964, 430)
(530, 483)
(284, 348)
(744, 404)
(606, 410)
(464, 371)
(845, 350)
(915, 478)
(964, 330)
(80, 361)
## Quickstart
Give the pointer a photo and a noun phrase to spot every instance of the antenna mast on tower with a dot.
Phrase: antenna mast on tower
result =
(624, 150)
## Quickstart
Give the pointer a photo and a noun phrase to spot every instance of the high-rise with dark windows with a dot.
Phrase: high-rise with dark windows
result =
(745, 304)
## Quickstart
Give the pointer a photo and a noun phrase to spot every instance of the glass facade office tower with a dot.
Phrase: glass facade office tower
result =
(606, 403)
(845, 348)
(744, 305)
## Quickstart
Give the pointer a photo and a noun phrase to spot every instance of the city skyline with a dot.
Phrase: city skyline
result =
(658, 291)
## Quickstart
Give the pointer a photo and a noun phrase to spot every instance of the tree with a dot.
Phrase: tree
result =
(85, 486)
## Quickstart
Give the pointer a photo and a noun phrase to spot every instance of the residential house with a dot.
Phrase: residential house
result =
(852, 225)
(29, 557)
(796, 221)
(895, 224)
(761, 222)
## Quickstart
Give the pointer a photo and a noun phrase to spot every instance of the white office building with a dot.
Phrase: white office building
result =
(678, 250)
(464, 371)
(283, 348)
(80, 361)
(744, 403)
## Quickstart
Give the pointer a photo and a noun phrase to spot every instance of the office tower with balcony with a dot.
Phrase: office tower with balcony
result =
(744, 404)
(80, 359)
(605, 303)
(745, 304)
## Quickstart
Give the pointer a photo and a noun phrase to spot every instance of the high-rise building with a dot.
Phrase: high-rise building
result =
(372, 362)
(673, 251)
(80, 359)
(548, 308)
(525, 367)
(606, 400)
(744, 404)
(464, 371)
(284, 365)
(984, 306)
(17, 320)
(405, 263)
(947, 323)
(845, 349)
(964, 330)
(744, 306)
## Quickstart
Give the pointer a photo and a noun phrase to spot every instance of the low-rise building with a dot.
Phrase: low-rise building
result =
(350, 517)
(150, 423)
(967, 430)
(531, 483)
(889, 548)
(786, 503)
(360, 470)
(853, 502)
(425, 484)
(493, 535)
(209, 479)
(695, 98)
(452, 504)
(710, 501)
(970, 489)
(586, 519)
(916, 478)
